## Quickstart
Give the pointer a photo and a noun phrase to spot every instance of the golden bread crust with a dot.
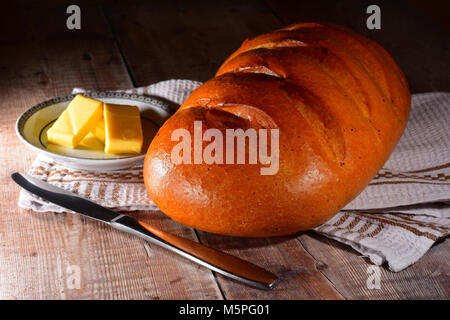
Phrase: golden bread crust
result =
(341, 104)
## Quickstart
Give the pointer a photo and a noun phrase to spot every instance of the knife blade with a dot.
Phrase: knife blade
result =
(63, 198)
(215, 260)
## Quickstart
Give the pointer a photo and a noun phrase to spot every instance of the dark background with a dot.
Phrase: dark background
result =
(158, 40)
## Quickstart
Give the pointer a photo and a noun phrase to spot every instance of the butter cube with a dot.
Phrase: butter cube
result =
(99, 131)
(88, 143)
(80, 117)
(123, 129)
(91, 142)
(61, 132)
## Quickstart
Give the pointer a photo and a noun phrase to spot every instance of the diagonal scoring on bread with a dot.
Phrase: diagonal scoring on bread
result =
(340, 103)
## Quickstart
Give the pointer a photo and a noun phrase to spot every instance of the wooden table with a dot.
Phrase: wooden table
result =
(134, 43)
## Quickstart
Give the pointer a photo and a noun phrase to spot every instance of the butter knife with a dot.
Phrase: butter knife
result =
(215, 260)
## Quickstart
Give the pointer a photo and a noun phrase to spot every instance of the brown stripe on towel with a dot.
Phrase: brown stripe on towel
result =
(115, 193)
(442, 166)
(428, 177)
(102, 191)
(334, 229)
(352, 224)
(406, 182)
(364, 227)
(431, 225)
(341, 220)
(88, 190)
(375, 232)
(76, 186)
(362, 235)
(122, 176)
(400, 225)
(37, 171)
(64, 172)
(98, 180)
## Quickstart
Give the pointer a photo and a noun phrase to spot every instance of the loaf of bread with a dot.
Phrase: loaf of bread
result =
(340, 103)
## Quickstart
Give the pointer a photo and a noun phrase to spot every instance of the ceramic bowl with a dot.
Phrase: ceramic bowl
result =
(32, 126)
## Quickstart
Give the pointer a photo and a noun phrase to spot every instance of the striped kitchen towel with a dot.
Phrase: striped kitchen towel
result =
(395, 220)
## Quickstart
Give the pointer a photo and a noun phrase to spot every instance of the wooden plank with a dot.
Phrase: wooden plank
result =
(429, 278)
(41, 59)
(299, 273)
(184, 39)
(419, 46)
